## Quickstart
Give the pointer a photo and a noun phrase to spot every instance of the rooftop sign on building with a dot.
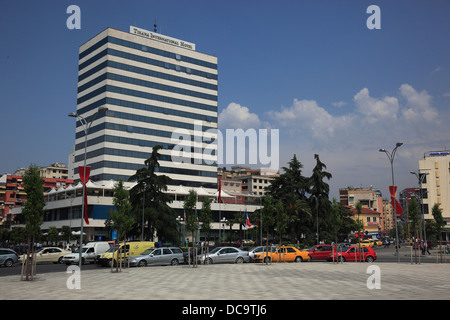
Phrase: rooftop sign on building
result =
(162, 38)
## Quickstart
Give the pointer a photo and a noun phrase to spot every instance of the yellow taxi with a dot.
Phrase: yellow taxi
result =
(367, 243)
(282, 254)
(378, 242)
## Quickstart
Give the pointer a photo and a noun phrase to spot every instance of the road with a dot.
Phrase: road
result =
(42, 268)
(383, 254)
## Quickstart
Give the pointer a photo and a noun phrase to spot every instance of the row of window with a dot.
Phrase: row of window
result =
(173, 182)
(134, 154)
(147, 84)
(146, 95)
(134, 129)
(158, 63)
(146, 107)
(147, 72)
(161, 169)
(138, 142)
(150, 61)
(146, 49)
(131, 129)
(163, 53)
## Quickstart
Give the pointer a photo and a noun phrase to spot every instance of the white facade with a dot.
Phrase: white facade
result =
(436, 184)
(153, 92)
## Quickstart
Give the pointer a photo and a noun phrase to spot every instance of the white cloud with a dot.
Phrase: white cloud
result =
(235, 116)
(339, 104)
(348, 143)
(418, 106)
(306, 116)
(376, 110)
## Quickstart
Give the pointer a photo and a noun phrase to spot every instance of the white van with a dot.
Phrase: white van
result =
(88, 254)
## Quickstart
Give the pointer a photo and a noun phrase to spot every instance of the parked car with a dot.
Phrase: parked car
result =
(131, 249)
(157, 256)
(283, 253)
(88, 254)
(343, 246)
(8, 257)
(49, 254)
(377, 242)
(253, 251)
(226, 255)
(321, 251)
(190, 253)
(354, 254)
(367, 243)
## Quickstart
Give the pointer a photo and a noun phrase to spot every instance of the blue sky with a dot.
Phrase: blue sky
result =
(311, 69)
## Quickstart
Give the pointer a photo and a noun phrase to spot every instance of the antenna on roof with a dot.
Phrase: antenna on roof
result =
(154, 26)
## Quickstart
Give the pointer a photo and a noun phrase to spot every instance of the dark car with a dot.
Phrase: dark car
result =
(8, 257)
(321, 251)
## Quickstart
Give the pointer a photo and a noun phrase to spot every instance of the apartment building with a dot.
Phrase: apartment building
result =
(435, 167)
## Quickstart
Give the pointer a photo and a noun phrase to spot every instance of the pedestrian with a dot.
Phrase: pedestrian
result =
(425, 248)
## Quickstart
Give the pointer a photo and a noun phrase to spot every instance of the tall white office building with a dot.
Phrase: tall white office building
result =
(159, 91)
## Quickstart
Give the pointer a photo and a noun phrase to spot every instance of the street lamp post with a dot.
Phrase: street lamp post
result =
(391, 160)
(86, 126)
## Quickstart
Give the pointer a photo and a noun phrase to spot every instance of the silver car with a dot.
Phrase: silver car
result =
(260, 249)
(8, 257)
(226, 255)
(158, 256)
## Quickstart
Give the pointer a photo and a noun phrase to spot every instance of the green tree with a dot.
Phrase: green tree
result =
(336, 221)
(189, 207)
(151, 188)
(18, 234)
(281, 219)
(436, 211)
(206, 218)
(268, 216)
(319, 199)
(120, 218)
(66, 233)
(290, 187)
(33, 211)
(52, 235)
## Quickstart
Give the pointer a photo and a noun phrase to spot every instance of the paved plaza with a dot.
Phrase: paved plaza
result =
(278, 281)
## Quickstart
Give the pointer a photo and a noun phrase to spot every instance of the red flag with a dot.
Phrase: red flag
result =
(398, 207)
(393, 191)
(84, 179)
(220, 189)
(395, 203)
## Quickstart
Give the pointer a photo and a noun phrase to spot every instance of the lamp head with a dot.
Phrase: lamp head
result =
(73, 115)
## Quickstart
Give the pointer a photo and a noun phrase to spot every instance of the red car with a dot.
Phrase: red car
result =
(354, 254)
(321, 251)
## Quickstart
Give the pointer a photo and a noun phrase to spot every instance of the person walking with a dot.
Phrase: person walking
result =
(425, 248)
